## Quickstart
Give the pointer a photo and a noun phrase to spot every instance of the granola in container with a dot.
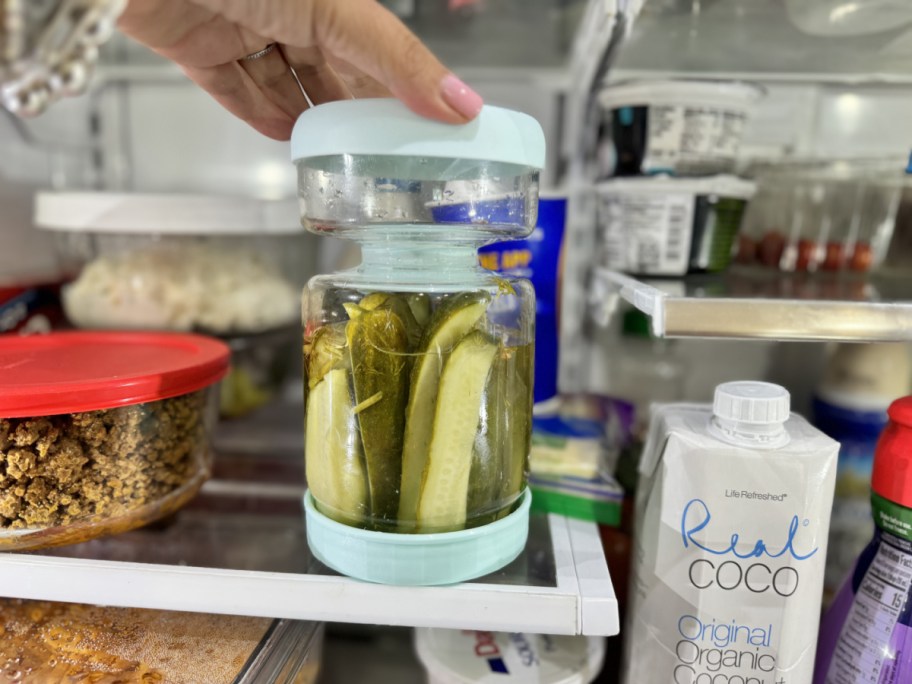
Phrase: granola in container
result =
(102, 432)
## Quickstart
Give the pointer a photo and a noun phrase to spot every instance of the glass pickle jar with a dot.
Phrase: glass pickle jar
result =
(418, 362)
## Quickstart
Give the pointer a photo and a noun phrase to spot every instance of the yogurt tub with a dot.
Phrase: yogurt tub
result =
(453, 656)
(683, 128)
(669, 226)
(102, 432)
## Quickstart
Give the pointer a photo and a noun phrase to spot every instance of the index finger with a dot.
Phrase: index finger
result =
(366, 35)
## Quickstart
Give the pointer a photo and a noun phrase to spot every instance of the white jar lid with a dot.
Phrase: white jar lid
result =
(389, 128)
(728, 95)
(165, 214)
(752, 403)
(722, 185)
(466, 657)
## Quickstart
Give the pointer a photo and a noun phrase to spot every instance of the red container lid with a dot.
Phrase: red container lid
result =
(72, 372)
(892, 476)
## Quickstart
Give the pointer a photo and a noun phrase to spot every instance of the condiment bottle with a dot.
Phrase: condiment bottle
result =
(866, 636)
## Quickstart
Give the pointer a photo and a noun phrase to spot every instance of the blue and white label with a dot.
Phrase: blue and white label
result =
(730, 552)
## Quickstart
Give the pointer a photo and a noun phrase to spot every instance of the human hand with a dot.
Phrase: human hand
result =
(338, 49)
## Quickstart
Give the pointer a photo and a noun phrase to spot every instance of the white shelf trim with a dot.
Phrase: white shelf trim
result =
(564, 609)
(674, 314)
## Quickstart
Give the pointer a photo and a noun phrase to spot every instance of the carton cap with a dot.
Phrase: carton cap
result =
(753, 403)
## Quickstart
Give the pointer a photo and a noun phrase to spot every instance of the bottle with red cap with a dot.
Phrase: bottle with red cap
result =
(867, 634)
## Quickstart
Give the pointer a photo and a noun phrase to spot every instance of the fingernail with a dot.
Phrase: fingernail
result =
(460, 97)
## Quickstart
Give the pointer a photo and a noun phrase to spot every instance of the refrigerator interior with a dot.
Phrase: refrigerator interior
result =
(830, 94)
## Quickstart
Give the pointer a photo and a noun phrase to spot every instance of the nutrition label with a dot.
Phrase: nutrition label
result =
(648, 235)
(691, 136)
(860, 656)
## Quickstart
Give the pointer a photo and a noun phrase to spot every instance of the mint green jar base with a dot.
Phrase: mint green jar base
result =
(417, 559)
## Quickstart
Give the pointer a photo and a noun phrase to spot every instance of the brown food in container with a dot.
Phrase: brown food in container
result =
(102, 432)
(56, 470)
(43, 642)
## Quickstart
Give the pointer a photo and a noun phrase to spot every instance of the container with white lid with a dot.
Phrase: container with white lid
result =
(418, 361)
(219, 265)
(102, 432)
(468, 657)
(669, 226)
(225, 266)
(680, 127)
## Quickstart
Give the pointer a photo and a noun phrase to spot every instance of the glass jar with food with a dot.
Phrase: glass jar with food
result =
(102, 432)
(418, 361)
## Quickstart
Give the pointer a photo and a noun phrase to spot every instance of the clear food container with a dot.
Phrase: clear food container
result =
(669, 226)
(223, 266)
(418, 361)
(47, 642)
(823, 216)
(102, 432)
(682, 128)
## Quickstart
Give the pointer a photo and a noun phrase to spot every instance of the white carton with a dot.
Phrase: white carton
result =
(730, 544)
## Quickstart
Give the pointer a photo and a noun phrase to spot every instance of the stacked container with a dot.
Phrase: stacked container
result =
(667, 204)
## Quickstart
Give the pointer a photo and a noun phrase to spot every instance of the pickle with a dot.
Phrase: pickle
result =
(451, 322)
(420, 304)
(378, 347)
(325, 351)
(518, 414)
(460, 402)
(333, 455)
(373, 300)
(486, 478)
(393, 302)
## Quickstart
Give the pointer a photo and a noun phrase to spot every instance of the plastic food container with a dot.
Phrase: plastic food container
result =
(669, 226)
(61, 642)
(102, 432)
(223, 266)
(836, 216)
(682, 128)
(465, 657)
(418, 361)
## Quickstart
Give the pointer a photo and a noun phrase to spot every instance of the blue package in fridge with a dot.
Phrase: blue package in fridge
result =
(538, 258)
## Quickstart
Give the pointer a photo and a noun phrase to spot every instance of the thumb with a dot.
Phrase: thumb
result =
(369, 37)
